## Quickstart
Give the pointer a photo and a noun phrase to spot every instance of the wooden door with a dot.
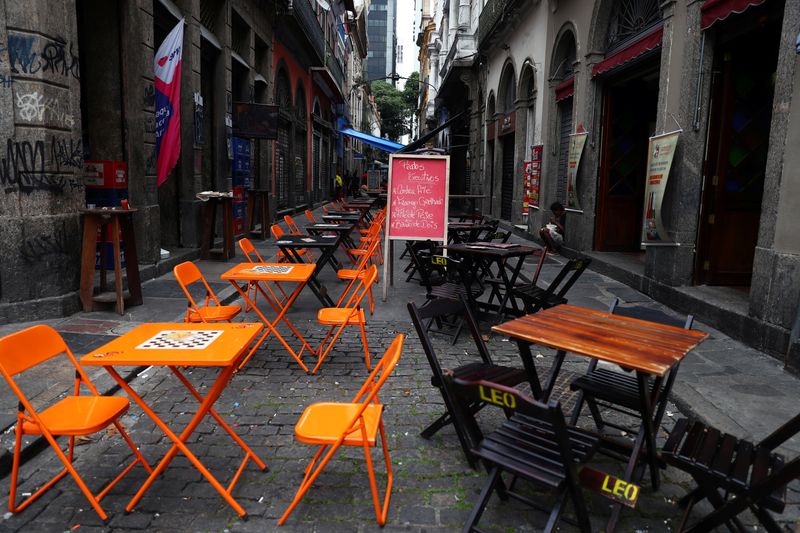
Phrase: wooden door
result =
(741, 112)
(629, 114)
(507, 187)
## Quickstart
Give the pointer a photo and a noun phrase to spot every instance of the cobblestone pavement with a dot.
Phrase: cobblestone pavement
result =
(434, 488)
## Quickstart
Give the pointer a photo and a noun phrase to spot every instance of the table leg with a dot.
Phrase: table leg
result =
(271, 327)
(180, 441)
(530, 368)
(90, 225)
(120, 297)
(314, 284)
(509, 283)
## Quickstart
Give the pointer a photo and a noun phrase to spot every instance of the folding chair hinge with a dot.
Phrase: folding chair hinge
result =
(20, 407)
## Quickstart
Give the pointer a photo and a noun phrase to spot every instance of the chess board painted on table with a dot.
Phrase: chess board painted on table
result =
(180, 340)
(269, 269)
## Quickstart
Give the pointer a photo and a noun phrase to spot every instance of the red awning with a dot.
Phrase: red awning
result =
(716, 10)
(642, 45)
(565, 89)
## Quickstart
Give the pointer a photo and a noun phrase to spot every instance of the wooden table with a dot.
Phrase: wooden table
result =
(117, 220)
(500, 254)
(259, 273)
(648, 348)
(209, 345)
(461, 232)
(207, 250)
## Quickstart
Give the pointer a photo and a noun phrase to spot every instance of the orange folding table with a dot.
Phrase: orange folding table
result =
(260, 274)
(179, 345)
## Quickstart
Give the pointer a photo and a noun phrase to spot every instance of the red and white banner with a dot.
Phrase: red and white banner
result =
(167, 70)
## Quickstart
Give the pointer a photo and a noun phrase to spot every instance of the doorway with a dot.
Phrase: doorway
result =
(629, 117)
(738, 141)
(507, 186)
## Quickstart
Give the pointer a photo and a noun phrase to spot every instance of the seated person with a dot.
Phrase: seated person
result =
(553, 233)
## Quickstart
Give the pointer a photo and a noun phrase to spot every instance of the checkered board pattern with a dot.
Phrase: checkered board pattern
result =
(270, 269)
(180, 340)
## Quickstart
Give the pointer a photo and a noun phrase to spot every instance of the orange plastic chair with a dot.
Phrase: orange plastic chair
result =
(349, 314)
(325, 209)
(310, 217)
(72, 416)
(332, 425)
(252, 255)
(187, 273)
(294, 229)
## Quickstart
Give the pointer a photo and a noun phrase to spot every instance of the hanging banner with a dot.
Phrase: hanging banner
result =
(576, 144)
(532, 172)
(659, 161)
(526, 186)
(167, 82)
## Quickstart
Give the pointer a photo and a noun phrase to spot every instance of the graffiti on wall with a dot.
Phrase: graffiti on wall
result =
(30, 166)
(30, 54)
(38, 249)
(34, 107)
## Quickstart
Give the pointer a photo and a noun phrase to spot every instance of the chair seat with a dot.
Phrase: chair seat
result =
(349, 273)
(527, 447)
(610, 386)
(324, 422)
(533, 294)
(79, 415)
(452, 291)
(334, 316)
(735, 465)
(215, 313)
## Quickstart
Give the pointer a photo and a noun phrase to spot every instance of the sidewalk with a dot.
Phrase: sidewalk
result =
(730, 386)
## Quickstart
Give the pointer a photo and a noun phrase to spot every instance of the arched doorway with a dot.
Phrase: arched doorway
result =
(508, 95)
(283, 98)
(491, 134)
(740, 115)
(630, 100)
(563, 73)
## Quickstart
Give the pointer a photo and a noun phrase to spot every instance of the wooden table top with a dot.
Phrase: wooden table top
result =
(212, 345)
(294, 273)
(637, 344)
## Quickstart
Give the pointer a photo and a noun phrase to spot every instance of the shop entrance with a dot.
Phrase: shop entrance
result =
(629, 119)
(738, 140)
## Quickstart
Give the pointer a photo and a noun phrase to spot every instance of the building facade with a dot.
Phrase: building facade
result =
(77, 78)
(382, 37)
(722, 73)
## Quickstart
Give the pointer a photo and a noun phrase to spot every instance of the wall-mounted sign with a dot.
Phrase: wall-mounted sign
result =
(576, 143)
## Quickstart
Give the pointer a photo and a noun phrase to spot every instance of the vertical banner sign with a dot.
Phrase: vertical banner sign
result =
(535, 175)
(576, 144)
(659, 161)
(526, 187)
(417, 201)
(167, 70)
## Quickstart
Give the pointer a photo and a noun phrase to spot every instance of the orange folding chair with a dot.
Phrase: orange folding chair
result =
(358, 273)
(332, 425)
(364, 244)
(187, 274)
(349, 314)
(278, 232)
(294, 229)
(310, 217)
(252, 255)
(72, 416)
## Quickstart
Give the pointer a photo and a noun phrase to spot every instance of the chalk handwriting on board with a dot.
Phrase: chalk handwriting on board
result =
(418, 197)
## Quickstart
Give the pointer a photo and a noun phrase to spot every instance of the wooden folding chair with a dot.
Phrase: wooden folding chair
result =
(187, 274)
(535, 298)
(535, 444)
(253, 256)
(332, 425)
(348, 314)
(732, 474)
(482, 368)
(72, 416)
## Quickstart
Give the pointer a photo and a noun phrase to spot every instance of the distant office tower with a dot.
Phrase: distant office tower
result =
(382, 37)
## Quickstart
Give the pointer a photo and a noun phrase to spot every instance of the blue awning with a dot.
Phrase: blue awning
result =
(383, 144)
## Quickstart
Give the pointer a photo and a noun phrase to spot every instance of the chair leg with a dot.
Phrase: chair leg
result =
(323, 354)
(381, 511)
(555, 514)
(598, 418)
(308, 480)
(576, 412)
(483, 499)
(366, 346)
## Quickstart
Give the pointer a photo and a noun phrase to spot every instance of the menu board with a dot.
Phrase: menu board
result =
(417, 202)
